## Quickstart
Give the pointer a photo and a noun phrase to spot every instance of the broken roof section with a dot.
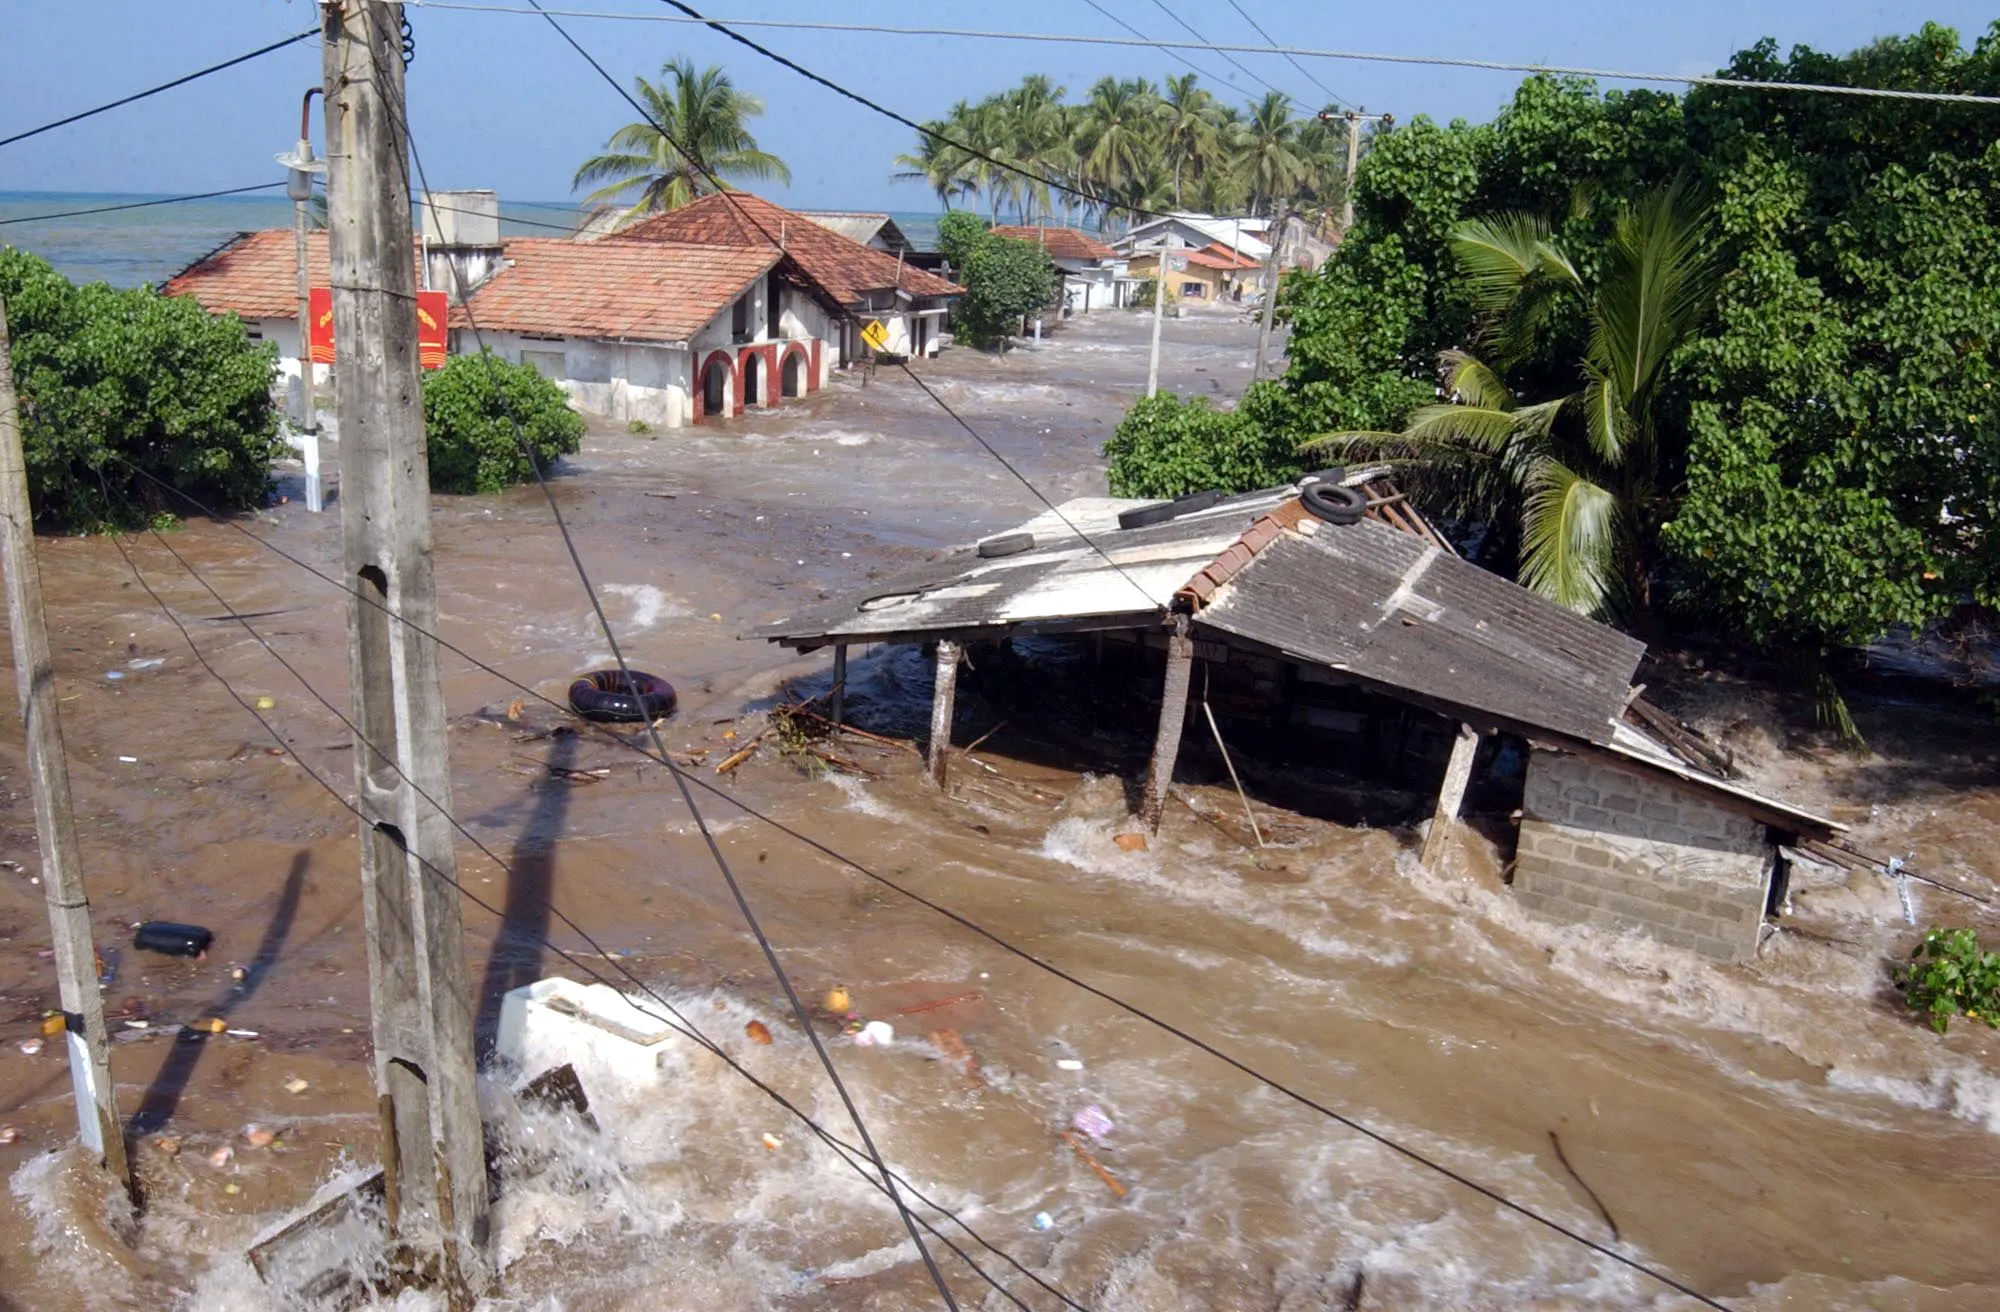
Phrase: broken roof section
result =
(1381, 601)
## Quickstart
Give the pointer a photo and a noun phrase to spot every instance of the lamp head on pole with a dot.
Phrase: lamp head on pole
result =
(300, 165)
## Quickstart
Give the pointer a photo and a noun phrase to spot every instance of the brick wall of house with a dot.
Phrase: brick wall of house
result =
(1606, 846)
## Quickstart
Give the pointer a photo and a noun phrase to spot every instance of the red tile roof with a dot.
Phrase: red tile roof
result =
(1062, 243)
(256, 276)
(646, 291)
(1217, 256)
(847, 269)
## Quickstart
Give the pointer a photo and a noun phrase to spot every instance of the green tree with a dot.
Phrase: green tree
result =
(1167, 446)
(478, 412)
(1584, 469)
(706, 135)
(1004, 279)
(116, 386)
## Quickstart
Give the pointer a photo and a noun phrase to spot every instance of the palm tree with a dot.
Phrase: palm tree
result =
(1116, 137)
(1583, 469)
(1269, 139)
(936, 164)
(696, 139)
(1187, 128)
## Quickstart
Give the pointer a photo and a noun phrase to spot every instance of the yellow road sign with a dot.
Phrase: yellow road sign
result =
(876, 335)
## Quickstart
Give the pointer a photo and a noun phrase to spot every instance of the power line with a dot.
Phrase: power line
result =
(1304, 52)
(678, 1022)
(141, 204)
(1310, 76)
(1247, 71)
(164, 86)
(1217, 77)
(958, 918)
(401, 112)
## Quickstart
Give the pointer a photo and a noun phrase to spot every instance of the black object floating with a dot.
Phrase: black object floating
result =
(172, 939)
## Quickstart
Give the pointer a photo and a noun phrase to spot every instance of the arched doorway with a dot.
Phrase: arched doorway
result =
(753, 379)
(715, 387)
(793, 376)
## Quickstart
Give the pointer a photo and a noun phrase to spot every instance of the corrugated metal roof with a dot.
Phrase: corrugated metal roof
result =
(1390, 607)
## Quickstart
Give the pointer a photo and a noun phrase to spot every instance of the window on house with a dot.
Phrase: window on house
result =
(549, 364)
(1194, 290)
(739, 320)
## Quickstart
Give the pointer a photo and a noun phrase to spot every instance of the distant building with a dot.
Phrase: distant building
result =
(869, 285)
(877, 231)
(1242, 236)
(256, 278)
(1090, 269)
(1211, 275)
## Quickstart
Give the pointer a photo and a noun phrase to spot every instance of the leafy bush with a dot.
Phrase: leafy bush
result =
(478, 409)
(106, 377)
(1004, 279)
(1166, 447)
(1948, 975)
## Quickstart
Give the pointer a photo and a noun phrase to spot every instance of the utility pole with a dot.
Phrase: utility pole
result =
(300, 167)
(1354, 118)
(1164, 252)
(419, 993)
(48, 778)
(1277, 233)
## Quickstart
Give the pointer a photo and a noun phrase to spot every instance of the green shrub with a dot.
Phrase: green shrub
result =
(1949, 975)
(110, 379)
(639, 428)
(1167, 447)
(1004, 278)
(478, 409)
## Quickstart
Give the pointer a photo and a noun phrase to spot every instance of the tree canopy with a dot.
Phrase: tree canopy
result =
(1828, 434)
(706, 141)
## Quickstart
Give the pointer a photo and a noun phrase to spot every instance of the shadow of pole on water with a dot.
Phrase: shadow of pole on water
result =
(516, 955)
(163, 1096)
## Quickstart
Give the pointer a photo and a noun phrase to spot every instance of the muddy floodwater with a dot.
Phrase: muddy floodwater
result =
(1778, 1135)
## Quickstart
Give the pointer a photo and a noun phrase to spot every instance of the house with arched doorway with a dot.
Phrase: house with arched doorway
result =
(867, 284)
(661, 333)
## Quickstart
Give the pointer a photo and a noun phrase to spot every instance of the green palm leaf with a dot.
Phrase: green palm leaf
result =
(1569, 538)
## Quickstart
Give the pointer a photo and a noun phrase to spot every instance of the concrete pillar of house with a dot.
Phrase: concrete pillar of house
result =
(1173, 716)
(942, 692)
(1451, 796)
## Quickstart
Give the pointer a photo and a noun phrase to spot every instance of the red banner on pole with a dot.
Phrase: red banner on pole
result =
(433, 342)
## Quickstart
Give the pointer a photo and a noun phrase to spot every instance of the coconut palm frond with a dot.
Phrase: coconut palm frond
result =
(1661, 275)
(1473, 381)
(1570, 535)
(1498, 255)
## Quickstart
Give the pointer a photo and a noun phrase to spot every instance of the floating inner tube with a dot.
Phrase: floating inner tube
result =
(1333, 503)
(609, 697)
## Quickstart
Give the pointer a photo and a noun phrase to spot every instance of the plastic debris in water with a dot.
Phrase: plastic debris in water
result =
(1043, 1221)
(30, 1047)
(148, 663)
(9, 1134)
(772, 1142)
(837, 1001)
(757, 1032)
(222, 1157)
(114, 674)
(267, 703)
(259, 1137)
(1069, 1064)
(296, 1085)
(1093, 1122)
(876, 1034)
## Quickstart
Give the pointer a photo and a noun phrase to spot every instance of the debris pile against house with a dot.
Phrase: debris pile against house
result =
(1310, 610)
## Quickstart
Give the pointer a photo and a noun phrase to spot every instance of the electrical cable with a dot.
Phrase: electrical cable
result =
(164, 86)
(1310, 76)
(141, 204)
(1361, 56)
(964, 922)
(678, 1022)
(1213, 76)
(400, 117)
(1254, 76)
(684, 1025)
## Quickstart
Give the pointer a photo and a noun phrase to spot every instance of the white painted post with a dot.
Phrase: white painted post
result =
(942, 694)
(1451, 796)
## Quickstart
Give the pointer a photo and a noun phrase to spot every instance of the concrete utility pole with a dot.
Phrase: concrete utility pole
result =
(419, 992)
(1354, 118)
(1277, 235)
(48, 779)
(1164, 254)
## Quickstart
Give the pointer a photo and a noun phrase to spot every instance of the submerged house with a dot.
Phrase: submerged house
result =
(867, 285)
(1311, 608)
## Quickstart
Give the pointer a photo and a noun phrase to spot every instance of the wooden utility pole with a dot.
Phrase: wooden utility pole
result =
(48, 779)
(1173, 718)
(1277, 234)
(1354, 119)
(1451, 796)
(943, 689)
(1164, 256)
(419, 993)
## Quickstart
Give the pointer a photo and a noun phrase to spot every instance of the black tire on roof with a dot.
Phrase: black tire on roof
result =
(1007, 544)
(1333, 503)
(1141, 516)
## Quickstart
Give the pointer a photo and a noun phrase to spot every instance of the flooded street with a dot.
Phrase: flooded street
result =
(1779, 1135)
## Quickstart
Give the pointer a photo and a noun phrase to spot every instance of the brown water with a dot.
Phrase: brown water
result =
(1778, 1135)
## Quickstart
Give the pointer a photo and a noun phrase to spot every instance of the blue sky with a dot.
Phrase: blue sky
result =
(500, 102)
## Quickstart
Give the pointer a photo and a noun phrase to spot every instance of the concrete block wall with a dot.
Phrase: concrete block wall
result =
(1607, 846)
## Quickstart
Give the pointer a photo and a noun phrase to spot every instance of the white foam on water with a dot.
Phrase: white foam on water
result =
(649, 604)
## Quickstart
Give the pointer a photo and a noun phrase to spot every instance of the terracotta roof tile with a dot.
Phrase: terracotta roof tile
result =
(847, 269)
(1062, 243)
(645, 291)
(255, 276)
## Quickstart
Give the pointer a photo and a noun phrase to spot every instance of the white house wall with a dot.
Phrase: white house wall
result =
(621, 381)
(284, 334)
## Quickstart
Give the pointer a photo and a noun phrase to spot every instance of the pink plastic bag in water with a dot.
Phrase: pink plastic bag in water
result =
(1093, 1122)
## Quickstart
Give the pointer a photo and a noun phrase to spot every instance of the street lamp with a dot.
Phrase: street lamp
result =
(300, 167)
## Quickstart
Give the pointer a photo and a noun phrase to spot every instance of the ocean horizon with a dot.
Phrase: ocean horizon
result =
(127, 248)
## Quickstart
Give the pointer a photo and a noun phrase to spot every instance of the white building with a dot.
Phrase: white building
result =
(1090, 270)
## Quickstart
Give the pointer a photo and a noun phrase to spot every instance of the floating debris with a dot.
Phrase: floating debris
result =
(757, 1032)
